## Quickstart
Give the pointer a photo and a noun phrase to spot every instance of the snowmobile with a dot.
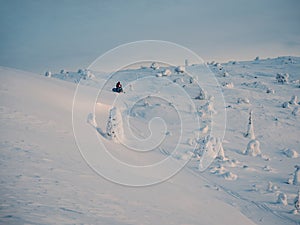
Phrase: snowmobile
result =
(118, 88)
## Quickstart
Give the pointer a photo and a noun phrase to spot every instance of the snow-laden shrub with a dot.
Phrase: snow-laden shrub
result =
(282, 199)
(295, 111)
(271, 187)
(80, 71)
(229, 176)
(228, 84)
(270, 91)
(282, 78)
(285, 105)
(294, 100)
(48, 74)
(243, 101)
(208, 150)
(296, 180)
(208, 108)
(87, 74)
(159, 75)
(154, 66)
(290, 153)
(253, 148)
(205, 129)
(114, 127)
(225, 74)
(297, 203)
(180, 69)
(202, 95)
(166, 72)
(63, 71)
(256, 58)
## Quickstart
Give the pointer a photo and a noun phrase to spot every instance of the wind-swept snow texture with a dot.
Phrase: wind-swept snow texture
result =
(45, 179)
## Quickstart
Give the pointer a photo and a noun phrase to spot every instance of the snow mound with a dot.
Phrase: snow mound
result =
(253, 148)
(290, 153)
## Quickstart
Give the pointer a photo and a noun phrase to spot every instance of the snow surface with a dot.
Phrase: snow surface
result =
(45, 179)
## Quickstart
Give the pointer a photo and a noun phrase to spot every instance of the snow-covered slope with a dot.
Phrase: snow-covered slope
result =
(45, 179)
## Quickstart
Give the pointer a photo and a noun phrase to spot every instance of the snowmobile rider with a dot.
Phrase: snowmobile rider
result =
(119, 87)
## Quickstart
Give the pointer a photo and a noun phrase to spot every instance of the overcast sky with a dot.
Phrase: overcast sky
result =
(51, 35)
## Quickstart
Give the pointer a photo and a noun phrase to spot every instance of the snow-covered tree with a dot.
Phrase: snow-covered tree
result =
(296, 180)
(282, 199)
(114, 127)
(253, 148)
(250, 128)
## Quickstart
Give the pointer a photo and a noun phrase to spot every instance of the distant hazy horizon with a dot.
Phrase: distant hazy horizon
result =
(51, 35)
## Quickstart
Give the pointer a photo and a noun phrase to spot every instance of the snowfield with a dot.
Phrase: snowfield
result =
(253, 176)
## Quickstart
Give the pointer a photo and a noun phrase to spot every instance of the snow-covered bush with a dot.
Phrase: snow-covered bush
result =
(243, 101)
(297, 203)
(208, 108)
(225, 74)
(256, 58)
(271, 187)
(202, 95)
(154, 66)
(180, 69)
(229, 176)
(63, 71)
(48, 74)
(114, 127)
(295, 111)
(253, 148)
(294, 100)
(282, 78)
(285, 105)
(270, 91)
(282, 199)
(228, 84)
(87, 74)
(296, 180)
(166, 72)
(211, 145)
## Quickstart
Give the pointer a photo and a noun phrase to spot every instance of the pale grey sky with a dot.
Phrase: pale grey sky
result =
(41, 35)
